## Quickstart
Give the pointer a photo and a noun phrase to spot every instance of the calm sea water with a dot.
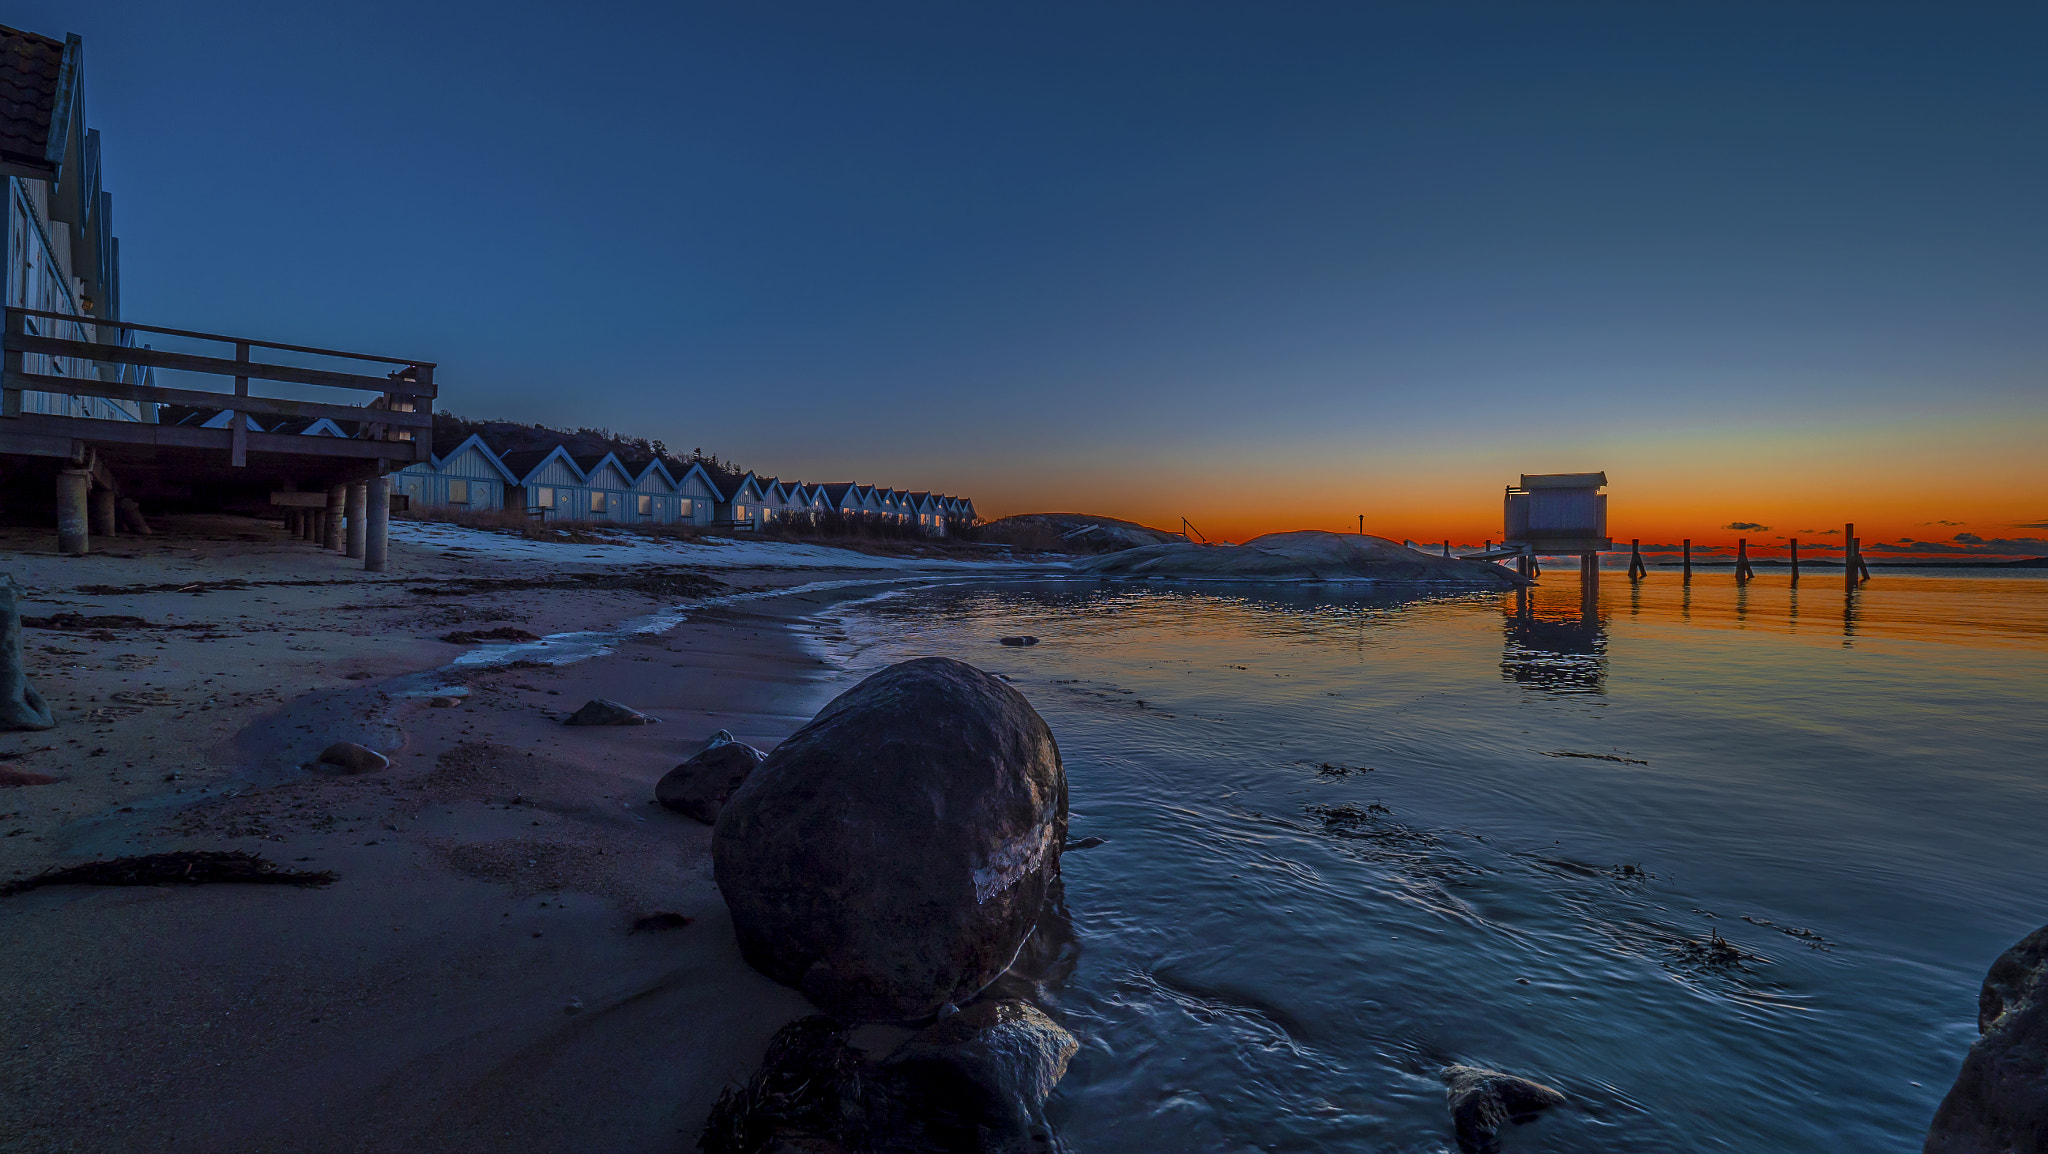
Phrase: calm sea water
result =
(1353, 839)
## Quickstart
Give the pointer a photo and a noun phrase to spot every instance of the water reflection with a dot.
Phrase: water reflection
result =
(1558, 652)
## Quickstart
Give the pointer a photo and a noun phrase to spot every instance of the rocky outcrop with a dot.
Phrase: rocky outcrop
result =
(973, 1083)
(600, 711)
(701, 786)
(1304, 557)
(1999, 1103)
(21, 707)
(891, 857)
(1482, 1101)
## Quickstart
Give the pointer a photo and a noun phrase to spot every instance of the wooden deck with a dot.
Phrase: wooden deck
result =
(393, 406)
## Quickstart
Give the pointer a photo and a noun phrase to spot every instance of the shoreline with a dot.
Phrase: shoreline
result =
(472, 978)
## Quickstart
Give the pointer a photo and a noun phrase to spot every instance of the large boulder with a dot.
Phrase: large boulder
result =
(701, 786)
(21, 707)
(891, 857)
(1999, 1103)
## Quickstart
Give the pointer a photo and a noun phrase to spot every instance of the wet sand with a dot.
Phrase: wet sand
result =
(472, 981)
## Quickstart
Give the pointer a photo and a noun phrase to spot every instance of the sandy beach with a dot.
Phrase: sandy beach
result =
(473, 980)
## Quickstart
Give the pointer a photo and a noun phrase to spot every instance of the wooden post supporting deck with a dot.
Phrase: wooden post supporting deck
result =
(377, 526)
(1688, 558)
(358, 508)
(337, 502)
(103, 512)
(1849, 558)
(1743, 572)
(1636, 569)
(74, 487)
(238, 423)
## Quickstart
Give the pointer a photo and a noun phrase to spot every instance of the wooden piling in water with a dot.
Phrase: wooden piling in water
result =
(1793, 544)
(1636, 569)
(1688, 558)
(1742, 570)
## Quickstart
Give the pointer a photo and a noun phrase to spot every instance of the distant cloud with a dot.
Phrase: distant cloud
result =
(2033, 525)
(1752, 525)
(1966, 522)
(1969, 544)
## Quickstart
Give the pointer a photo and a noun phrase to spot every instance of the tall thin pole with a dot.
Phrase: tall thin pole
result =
(1793, 544)
(1688, 558)
(1849, 555)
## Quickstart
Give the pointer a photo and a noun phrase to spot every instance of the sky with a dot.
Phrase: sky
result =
(1262, 266)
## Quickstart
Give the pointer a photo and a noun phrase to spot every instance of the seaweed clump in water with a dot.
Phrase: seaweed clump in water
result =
(1716, 953)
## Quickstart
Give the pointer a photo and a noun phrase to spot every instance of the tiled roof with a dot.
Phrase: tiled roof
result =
(30, 66)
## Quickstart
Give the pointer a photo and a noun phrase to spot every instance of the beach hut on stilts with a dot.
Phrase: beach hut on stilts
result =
(1559, 513)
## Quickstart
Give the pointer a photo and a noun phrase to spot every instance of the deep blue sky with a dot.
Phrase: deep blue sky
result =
(1141, 258)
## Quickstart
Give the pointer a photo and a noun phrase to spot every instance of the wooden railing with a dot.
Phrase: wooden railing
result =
(403, 398)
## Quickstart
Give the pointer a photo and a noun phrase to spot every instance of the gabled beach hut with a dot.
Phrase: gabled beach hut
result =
(697, 496)
(546, 482)
(608, 493)
(470, 476)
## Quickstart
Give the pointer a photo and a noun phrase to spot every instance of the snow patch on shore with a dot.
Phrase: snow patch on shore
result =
(629, 549)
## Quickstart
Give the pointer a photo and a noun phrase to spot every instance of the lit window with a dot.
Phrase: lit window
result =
(685, 507)
(645, 506)
(543, 498)
(458, 492)
(596, 501)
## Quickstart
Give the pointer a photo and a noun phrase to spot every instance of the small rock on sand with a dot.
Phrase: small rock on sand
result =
(1019, 640)
(700, 786)
(23, 777)
(598, 711)
(658, 921)
(442, 702)
(348, 757)
(1482, 1100)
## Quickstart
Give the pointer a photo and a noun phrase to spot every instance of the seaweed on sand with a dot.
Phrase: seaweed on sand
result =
(194, 867)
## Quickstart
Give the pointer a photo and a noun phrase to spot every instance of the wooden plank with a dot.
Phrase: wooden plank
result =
(129, 327)
(187, 437)
(216, 366)
(278, 406)
(33, 444)
(300, 500)
(238, 422)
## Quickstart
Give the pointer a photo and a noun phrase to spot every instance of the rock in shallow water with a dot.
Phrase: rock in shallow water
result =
(1999, 1102)
(600, 711)
(891, 856)
(974, 1083)
(1482, 1101)
(701, 786)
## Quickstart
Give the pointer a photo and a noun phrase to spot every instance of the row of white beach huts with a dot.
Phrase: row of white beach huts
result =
(558, 485)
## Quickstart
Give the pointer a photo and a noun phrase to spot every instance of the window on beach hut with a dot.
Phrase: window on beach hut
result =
(685, 507)
(458, 492)
(596, 501)
(543, 497)
(645, 506)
